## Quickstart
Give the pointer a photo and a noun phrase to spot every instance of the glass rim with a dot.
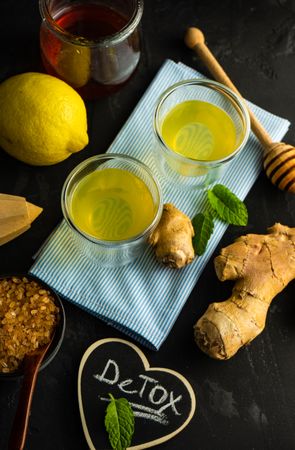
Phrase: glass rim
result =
(216, 86)
(111, 39)
(115, 243)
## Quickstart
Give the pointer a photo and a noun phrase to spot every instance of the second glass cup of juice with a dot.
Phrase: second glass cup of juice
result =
(92, 45)
(200, 126)
(111, 203)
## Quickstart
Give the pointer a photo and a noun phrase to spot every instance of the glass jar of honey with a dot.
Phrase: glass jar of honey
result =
(92, 45)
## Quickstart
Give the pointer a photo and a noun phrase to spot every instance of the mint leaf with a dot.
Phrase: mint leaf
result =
(227, 205)
(119, 423)
(203, 226)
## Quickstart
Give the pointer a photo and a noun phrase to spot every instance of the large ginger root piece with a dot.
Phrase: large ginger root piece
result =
(172, 238)
(262, 265)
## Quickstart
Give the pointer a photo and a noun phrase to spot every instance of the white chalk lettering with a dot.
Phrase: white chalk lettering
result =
(171, 403)
(124, 383)
(153, 392)
(144, 412)
(116, 373)
(146, 380)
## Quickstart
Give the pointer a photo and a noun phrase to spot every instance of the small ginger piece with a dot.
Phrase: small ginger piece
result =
(172, 238)
(263, 265)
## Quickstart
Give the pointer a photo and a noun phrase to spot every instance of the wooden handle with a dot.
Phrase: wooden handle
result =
(195, 40)
(31, 365)
(21, 420)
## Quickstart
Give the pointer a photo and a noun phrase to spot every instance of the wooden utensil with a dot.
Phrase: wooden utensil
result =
(31, 365)
(16, 216)
(278, 157)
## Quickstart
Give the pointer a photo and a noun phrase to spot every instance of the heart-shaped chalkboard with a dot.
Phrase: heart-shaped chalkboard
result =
(162, 400)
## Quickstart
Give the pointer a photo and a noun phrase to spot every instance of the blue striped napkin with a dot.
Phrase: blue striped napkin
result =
(144, 299)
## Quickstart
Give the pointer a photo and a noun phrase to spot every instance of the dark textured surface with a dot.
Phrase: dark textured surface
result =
(249, 401)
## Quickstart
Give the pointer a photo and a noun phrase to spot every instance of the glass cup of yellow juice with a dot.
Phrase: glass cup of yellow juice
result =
(111, 203)
(200, 126)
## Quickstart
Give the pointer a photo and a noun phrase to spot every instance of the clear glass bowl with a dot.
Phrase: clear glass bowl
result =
(111, 253)
(189, 173)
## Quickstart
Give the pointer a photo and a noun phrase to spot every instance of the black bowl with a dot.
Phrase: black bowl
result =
(59, 330)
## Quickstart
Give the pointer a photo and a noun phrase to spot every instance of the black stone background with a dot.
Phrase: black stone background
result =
(247, 402)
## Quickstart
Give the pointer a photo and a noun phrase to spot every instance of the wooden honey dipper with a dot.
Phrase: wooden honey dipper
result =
(278, 157)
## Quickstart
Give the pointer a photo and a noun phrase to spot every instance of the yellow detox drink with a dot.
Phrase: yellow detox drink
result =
(200, 131)
(112, 204)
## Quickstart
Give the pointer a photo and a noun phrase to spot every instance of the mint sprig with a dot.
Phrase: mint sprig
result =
(119, 423)
(203, 225)
(226, 206)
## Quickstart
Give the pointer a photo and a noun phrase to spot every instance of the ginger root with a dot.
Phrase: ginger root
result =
(172, 238)
(262, 265)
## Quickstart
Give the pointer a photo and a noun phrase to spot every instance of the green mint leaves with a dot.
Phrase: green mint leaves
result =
(226, 206)
(203, 225)
(119, 423)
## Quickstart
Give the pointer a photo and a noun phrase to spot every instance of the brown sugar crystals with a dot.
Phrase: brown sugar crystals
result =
(28, 315)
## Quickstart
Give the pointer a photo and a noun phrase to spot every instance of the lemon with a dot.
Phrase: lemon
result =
(42, 119)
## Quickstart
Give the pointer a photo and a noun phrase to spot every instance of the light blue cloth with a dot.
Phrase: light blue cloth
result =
(144, 299)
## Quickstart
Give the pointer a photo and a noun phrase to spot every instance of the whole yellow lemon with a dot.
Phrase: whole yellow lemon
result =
(42, 119)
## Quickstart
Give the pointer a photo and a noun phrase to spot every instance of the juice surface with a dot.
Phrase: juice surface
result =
(200, 131)
(112, 204)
